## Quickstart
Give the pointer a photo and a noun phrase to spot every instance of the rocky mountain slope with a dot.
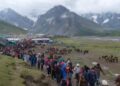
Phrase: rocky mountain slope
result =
(109, 20)
(10, 16)
(61, 21)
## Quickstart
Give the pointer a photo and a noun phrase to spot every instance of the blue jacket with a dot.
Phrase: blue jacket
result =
(91, 76)
(33, 60)
(63, 71)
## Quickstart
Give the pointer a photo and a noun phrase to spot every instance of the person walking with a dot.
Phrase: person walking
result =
(77, 72)
(92, 77)
(33, 59)
(38, 60)
(98, 70)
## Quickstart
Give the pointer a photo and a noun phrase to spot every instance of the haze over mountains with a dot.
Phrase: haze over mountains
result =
(6, 28)
(61, 21)
(10, 16)
(109, 20)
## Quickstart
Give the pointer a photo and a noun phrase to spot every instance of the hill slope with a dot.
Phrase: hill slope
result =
(6, 28)
(14, 72)
(61, 21)
(10, 16)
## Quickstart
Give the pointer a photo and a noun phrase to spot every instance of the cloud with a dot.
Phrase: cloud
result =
(27, 7)
(97, 6)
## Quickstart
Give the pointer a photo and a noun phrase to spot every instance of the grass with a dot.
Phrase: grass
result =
(13, 71)
(5, 71)
(96, 49)
(6, 28)
(110, 47)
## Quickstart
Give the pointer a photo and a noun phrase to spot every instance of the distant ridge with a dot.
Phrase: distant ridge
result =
(6, 28)
(108, 19)
(10, 16)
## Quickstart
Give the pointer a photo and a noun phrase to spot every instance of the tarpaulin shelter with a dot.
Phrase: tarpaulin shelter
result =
(3, 42)
(9, 43)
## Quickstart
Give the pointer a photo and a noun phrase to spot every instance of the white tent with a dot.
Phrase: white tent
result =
(13, 39)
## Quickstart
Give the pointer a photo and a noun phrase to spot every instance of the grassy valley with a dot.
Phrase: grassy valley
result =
(97, 47)
(6, 28)
(14, 72)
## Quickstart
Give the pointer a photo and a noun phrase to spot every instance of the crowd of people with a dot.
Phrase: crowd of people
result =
(60, 69)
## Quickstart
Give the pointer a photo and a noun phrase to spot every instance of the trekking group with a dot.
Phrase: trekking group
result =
(56, 66)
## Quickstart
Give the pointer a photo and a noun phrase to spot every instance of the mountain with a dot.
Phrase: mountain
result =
(61, 21)
(33, 16)
(10, 16)
(109, 20)
(6, 28)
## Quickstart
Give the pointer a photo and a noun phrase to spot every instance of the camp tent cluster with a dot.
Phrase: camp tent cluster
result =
(13, 41)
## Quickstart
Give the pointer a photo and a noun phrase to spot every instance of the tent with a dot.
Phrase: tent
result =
(3, 41)
(9, 43)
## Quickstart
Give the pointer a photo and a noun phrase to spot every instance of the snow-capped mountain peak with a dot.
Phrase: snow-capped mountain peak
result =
(10, 16)
(106, 20)
(94, 17)
(64, 15)
(49, 20)
(109, 20)
(6, 10)
(33, 18)
(118, 17)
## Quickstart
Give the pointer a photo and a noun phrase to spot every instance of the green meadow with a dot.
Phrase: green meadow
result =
(100, 46)
(14, 72)
(97, 48)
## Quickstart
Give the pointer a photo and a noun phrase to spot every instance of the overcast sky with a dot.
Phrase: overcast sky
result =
(27, 7)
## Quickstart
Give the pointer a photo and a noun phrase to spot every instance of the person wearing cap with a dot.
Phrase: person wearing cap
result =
(77, 72)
